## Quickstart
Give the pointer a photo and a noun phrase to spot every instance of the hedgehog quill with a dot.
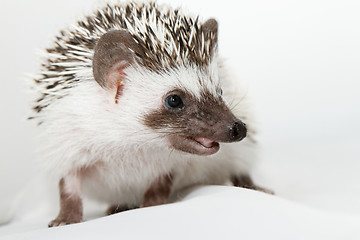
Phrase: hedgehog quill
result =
(132, 107)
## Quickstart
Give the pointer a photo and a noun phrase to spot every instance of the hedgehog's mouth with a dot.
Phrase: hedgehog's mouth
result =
(195, 145)
(205, 142)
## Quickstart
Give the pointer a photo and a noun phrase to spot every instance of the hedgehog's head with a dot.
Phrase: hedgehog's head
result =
(180, 102)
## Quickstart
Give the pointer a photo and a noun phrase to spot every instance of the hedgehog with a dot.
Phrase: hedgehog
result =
(134, 104)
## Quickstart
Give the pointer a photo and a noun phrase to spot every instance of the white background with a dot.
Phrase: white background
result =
(300, 60)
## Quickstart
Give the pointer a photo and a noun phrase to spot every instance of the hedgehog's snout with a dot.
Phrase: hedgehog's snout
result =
(237, 131)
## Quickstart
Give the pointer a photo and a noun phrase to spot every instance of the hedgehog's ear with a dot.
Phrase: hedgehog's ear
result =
(210, 29)
(113, 53)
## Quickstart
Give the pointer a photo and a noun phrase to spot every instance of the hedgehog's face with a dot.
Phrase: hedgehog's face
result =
(181, 102)
(195, 125)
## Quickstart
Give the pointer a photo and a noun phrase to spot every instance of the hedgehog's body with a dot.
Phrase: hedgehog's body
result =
(131, 108)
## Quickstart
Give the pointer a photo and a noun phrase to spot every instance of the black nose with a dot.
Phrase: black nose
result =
(237, 131)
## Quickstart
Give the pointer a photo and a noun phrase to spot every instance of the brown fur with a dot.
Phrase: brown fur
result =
(159, 192)
(197, 118)
(70, 208)
(112, 49)
(208, 117)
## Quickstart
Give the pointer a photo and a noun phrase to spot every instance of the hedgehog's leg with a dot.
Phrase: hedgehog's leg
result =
(70, 201)
(158, 192)
(245, 181)
(118, 208)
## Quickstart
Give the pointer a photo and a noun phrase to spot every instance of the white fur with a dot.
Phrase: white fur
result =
(72, 184)
(117, 156)
(120, 155)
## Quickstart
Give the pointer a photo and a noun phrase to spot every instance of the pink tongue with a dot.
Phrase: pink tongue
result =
(206, 142)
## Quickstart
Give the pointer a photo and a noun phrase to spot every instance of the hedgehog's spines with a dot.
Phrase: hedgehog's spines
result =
(168, 37)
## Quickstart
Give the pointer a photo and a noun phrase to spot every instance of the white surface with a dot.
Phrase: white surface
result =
(215, 212)
(301, 60)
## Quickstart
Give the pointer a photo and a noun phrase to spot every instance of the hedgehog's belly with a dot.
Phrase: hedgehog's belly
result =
(116, 183)
(113, 191)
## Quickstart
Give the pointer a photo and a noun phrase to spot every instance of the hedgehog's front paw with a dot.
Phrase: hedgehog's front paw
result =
(158, 192)
(65, 220)
(154, 200)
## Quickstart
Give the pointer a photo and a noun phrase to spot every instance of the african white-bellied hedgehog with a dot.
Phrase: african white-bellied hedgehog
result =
(132, 109)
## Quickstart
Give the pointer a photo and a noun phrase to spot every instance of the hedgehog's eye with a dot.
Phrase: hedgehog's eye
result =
(173, 101)
(221, 91)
